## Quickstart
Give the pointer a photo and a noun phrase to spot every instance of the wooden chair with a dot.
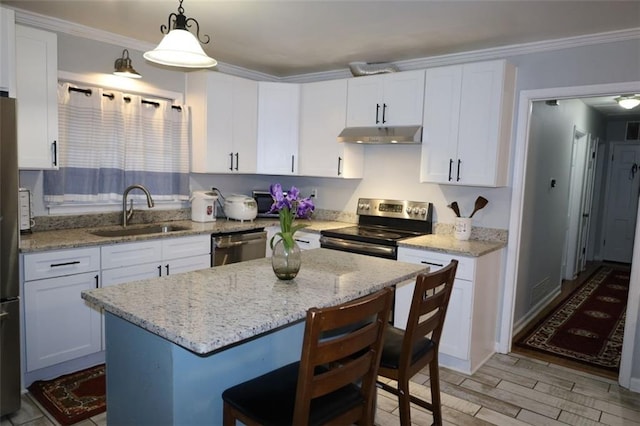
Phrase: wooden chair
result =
(335, 380)
(408, 351)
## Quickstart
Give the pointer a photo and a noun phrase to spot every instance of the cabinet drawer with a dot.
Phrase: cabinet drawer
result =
(60, 262)
(175, 248)
(117, 255)
(307, 240)
(437, 260)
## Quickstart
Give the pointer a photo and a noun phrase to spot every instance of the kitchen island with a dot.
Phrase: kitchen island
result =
(175, 343)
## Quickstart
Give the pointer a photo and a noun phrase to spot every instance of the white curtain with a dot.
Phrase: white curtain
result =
(109, 140)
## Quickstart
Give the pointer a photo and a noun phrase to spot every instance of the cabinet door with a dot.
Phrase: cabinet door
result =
(403, 98)
(224, 111)
(481, 114)
(364, 101)
(59, 325)
(245, 125)
(322, 118)
(125, 274)
(439, 160)
(278, 112)
(7, 51)
(186, 264)
(37, 101)
(457, 332)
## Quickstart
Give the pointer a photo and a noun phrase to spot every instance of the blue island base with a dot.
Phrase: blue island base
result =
(151, 381)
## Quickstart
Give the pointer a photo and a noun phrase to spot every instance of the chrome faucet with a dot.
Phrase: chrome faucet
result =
(127, 214)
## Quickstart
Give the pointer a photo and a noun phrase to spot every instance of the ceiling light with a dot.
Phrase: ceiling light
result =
(628, 101)
(124, 68)
(180, 48)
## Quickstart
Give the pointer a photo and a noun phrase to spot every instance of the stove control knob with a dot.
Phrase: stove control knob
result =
(364, 206)
(408, 209)
(423, 211)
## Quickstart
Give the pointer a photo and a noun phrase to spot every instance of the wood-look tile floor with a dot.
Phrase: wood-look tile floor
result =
(508, 390)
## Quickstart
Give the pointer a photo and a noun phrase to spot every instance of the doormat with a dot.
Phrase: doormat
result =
(588, 326)
(73, 397)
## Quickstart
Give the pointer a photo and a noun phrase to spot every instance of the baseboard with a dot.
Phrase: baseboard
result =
(522, 322)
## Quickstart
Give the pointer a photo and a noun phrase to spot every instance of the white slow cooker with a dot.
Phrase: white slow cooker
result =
(240, 207)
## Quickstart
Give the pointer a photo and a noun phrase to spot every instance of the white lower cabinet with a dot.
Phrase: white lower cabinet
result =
(154, 258)
(306, 240)
(469, 333)
(59, 324)
(122, 263)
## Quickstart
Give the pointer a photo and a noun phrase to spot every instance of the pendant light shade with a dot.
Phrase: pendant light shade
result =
(179, 47)
(123, 66)
(628, 101)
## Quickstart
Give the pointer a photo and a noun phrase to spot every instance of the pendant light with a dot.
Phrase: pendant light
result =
(628, 101)
(179, 47)
(123, 66)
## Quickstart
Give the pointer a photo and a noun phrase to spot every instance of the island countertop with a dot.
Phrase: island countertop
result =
(210, 309)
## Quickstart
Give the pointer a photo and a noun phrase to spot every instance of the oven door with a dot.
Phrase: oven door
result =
(360, 247)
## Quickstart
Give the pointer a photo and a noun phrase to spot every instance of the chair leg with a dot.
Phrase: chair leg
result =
(434, 380)
(228, 418)
(404, 401)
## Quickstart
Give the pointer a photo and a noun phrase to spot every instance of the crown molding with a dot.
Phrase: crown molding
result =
(66, 27)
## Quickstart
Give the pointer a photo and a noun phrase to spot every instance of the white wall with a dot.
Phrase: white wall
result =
(544, 219)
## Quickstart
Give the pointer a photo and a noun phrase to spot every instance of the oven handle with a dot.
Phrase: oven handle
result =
(341, 244)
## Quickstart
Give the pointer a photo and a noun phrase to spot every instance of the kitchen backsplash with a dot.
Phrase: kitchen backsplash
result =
(50, 223)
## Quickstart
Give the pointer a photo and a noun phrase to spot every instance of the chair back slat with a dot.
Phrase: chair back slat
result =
(351, 357)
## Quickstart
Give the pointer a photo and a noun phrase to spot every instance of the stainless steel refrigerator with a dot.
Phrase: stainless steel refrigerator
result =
(9, 283)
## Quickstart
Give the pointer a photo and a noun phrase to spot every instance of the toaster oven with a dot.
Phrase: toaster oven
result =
(264, 202)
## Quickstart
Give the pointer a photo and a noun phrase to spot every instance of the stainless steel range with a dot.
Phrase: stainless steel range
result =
(381, 224)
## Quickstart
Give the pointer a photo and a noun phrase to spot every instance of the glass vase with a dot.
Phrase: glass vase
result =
(286, 261)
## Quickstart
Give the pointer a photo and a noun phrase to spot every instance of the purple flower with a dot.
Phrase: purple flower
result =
(289, 207)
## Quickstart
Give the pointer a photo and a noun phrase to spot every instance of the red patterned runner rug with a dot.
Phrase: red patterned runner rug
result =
(588, 326)
(73, 397)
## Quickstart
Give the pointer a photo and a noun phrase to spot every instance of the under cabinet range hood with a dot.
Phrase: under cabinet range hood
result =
(382, 135)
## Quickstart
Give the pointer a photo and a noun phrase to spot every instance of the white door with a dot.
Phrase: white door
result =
(623, 188)
(587, 202)
(574, 212)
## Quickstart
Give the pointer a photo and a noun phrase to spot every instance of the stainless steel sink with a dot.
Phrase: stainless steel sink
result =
(139, 230)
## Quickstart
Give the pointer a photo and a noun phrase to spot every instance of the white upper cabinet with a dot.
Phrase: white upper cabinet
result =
(224, 116)
(7, 51)
(394, 99)
(322, 117)
(37, 98)
(467, 123)
(278, 124)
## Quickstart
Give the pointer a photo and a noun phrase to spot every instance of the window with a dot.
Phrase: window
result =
(110, 140)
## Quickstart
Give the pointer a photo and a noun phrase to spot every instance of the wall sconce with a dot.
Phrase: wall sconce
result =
(123, 66)
(180, 48)
(628, 101)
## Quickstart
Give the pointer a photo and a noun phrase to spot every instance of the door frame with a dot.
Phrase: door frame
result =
(519, 166)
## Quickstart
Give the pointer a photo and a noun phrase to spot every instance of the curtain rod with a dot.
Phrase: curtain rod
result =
(89, 92)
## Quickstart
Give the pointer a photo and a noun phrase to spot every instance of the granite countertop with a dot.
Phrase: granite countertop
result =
(207, 310)
(446, 243)
(82, 237)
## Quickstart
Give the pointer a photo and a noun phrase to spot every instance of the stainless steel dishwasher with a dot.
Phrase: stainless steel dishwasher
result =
(238, 246)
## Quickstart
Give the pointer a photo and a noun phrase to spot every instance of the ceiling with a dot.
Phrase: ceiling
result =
(286, 37)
